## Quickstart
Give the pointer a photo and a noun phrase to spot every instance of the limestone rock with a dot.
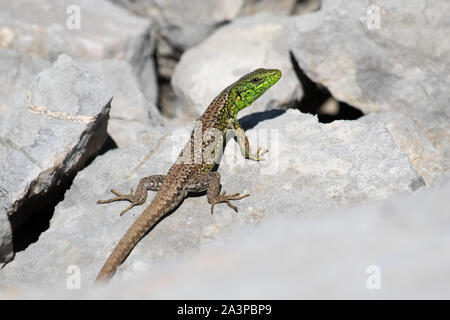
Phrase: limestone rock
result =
(49, 127)
(428, 160)
(185, 23)
(93, 30)
(131, 112)
(394, 249)
(309, 166)
(385, 56)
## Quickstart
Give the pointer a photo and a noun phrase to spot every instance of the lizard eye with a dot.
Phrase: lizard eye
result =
(256, 80)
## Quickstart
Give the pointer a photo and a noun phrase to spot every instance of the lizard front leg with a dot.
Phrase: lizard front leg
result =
(244, 145)
(210, 181)
(138, 197)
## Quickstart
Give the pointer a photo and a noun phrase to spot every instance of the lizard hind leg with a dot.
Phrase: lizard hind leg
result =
(128, 197)
(210, 181)
(223, 197)
(153, 183)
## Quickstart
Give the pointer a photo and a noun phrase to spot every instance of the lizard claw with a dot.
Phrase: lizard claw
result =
(258, 155)
(128, 208)
(223, 197)
(119, 196)
(131, 197)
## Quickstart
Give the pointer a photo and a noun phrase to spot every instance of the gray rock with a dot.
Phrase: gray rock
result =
(180, 25)
(17, 72)
(185, 23)
(131, 113)
(320, 255)
(382, 57)
(47, 131)
(48, 28)
(428, 160)
(234, 50)
(327, 254)
(310, 165)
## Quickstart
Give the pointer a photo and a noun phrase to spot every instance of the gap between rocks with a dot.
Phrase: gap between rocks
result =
(318, 100)
(28, 232)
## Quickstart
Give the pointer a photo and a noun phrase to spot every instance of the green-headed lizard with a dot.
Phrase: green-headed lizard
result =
(193, 171)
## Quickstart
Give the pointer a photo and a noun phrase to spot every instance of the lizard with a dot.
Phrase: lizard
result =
(195, 168)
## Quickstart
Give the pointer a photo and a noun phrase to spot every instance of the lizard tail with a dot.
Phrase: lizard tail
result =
(137, 230)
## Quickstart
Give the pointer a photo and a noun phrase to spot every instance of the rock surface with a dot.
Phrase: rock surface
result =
(181, 24)
(326, 254)
(131, 112)
(17, 72)
(78, 28)
(234, 50)
(48, 129)
(428, 160)
(388, 56)
(310, 165)
(185, 23)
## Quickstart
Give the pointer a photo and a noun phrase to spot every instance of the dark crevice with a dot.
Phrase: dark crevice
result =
(318, 100)
(108, 145)
(29, 231)
(166, 59)
(345, 112)
(220, 24)
(39, 209)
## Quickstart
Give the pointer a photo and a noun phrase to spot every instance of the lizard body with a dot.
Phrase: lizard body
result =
(193, 171)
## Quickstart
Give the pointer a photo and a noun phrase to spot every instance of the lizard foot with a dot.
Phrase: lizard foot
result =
(258, 155)
(128, 197)
(223, 197)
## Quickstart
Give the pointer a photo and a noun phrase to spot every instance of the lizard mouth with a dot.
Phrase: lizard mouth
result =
(275, 74)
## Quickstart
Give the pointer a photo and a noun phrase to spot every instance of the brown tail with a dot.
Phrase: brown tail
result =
(136, 231)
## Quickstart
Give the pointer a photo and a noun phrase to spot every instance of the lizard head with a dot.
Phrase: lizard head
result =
(251, 86)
